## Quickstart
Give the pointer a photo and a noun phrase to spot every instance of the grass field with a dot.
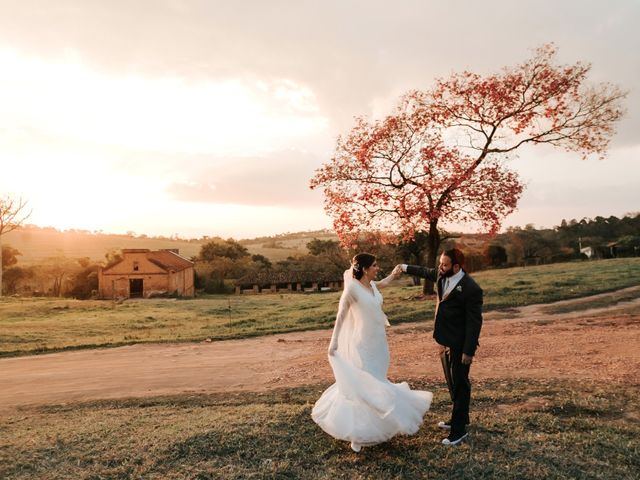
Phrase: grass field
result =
(32, 325)
(520, 430)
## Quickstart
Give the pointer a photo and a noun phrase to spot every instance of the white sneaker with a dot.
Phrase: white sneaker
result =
(356, 447)
(454, 441)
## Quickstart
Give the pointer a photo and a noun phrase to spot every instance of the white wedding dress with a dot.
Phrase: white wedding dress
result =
(363, 406)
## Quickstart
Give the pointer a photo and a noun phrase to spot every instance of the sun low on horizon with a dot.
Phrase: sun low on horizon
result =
(113, 153)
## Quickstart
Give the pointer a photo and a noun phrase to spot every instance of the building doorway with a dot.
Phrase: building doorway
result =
(136, 288)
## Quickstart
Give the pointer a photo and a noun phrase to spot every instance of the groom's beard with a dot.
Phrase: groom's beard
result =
(447, 273)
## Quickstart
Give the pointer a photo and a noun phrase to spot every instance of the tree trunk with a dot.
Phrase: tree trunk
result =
(433, 244)
(57, 285)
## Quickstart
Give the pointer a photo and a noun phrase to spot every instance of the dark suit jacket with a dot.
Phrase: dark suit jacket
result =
(458, 317)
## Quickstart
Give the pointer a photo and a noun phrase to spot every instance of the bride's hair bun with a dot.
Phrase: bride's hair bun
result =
(360, 262)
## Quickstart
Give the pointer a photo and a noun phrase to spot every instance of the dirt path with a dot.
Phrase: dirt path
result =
(594, 344)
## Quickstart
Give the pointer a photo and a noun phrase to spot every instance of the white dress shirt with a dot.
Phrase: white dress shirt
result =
(449, 282)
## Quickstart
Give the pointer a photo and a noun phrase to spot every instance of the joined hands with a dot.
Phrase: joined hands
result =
(397, 271)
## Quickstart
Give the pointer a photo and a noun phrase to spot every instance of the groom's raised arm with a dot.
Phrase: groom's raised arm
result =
(422, 272)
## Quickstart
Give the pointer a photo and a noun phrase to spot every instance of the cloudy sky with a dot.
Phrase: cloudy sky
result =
(209, 117)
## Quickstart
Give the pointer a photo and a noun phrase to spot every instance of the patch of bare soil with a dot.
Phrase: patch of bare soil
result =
(600, 344)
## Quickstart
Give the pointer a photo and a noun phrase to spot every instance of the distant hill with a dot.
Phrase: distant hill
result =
(279, 247)
(37, 243)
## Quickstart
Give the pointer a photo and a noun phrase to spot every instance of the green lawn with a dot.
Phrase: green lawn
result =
(32, 325)
(521, 430)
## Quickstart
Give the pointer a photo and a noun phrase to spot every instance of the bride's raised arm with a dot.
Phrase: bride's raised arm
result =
(385, 282)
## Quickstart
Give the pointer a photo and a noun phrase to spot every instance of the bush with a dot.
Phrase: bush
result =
(216, 285)
(85, 283)
(496, 255)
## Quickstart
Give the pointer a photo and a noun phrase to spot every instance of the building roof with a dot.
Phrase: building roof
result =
(169, 260)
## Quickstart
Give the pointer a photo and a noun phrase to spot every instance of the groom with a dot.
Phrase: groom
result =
(458, 320)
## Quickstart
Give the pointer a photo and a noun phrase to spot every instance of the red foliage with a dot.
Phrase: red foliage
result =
(439, 156)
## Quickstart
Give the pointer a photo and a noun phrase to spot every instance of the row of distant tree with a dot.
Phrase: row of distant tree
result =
(274, 239)
(54, 276)
(222, 261)
(606, 237)
(128, 234)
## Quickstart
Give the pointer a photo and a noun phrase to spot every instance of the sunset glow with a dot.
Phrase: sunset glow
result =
(211, 121)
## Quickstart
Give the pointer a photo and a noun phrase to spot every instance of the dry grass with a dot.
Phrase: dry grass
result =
(521, 430)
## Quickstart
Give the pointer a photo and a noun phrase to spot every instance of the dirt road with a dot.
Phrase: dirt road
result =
(596, 344)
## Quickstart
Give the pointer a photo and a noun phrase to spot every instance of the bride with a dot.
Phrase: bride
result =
(363, 406)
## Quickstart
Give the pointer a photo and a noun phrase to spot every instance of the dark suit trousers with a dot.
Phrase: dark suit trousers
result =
(461, 393)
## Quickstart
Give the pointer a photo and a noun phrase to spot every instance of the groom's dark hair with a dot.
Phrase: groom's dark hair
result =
(456, 256)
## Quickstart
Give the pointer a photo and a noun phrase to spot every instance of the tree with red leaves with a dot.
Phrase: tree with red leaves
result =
(441, 154)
